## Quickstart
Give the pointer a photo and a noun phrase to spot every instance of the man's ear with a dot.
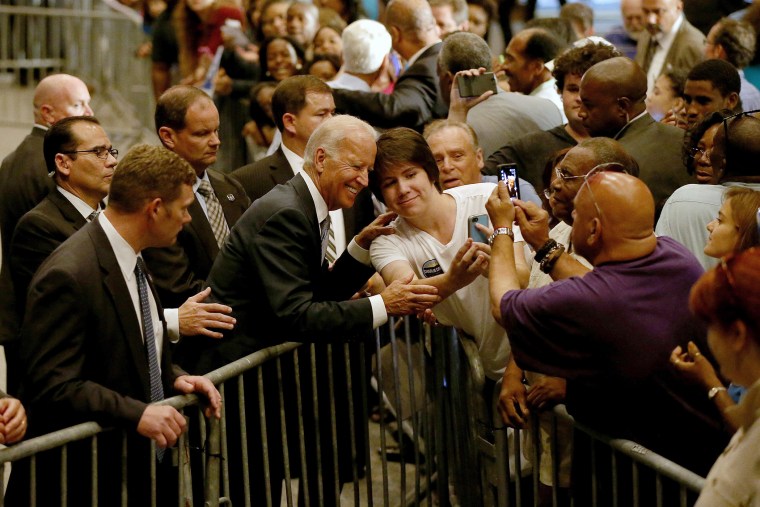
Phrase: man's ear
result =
(732, 100)
(319, 160)
(289, 123)
(63, 164)
(167, 136)
(153, 208)
(594, 238)
(46, 111)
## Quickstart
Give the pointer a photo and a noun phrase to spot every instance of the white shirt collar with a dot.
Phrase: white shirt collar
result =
(41, 126)
(319, 201)
(295, 161)
(82, 207)
(665, 40)
(198, 181)
(416, 55)
(125, 254)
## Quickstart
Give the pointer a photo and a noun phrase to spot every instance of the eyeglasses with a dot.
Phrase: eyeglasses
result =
(100, 152)
(697, 153)
(548, 193)
(607, 166)
(725, 131)
(565, 176)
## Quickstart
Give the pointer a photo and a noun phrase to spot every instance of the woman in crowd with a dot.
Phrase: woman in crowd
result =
(697, 146)
(666, 95)
(727, 298)
(328, 41)
(281, 57)
(734, 230)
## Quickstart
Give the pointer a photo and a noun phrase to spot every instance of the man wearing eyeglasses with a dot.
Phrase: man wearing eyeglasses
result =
(608, 332)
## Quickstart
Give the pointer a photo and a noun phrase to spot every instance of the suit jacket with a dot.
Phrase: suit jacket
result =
(38, 233)
(180, 271)
(262, 176)
(270, 273)
(24, 182)
(81, 342)
(657, 149)
(416, 97)
(686, 51)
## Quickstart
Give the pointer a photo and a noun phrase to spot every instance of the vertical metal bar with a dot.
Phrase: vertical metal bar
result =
(613, 460)
(301, 430)
(64, 474)
(365, 421)
(400, 415)
(284, 435)
(94, 470)
(183, 465)
(333, 424)
(682, 489)
(415, 411)
(594, 481)
(428, 434)
(152, 468)
(536, 454)
(635, 478)
(518, 468)
(317, 424)
(658, 489)
(264, 445)
(383, 443)
(554, 446)
(440, 359)
(33, 481)
(213, 446)
(351, 423)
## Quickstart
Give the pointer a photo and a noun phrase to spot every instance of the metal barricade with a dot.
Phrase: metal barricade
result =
(296, 428)
(85, 39)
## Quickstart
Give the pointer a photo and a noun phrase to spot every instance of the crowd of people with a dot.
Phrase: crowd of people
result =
(620, 283)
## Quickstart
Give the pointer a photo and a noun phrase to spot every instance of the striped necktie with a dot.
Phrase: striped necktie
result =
(214, 210)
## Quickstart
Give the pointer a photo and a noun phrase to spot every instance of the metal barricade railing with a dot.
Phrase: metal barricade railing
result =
(87, 40)
(296, 429)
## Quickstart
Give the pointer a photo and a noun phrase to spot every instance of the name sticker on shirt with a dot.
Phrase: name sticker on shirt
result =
(431, 268)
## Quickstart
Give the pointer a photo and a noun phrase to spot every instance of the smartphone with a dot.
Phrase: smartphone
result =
(475, 86)
(476, 234)
(508, 174)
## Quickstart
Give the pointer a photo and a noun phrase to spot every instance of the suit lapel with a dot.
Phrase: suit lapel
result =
(281, 171)
(68, 211)
(225, 193)
(202, 228)
(116, 287)
(307, 203)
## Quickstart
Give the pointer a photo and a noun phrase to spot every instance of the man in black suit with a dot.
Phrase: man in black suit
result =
(187, 122)
(82, 158)
(300, 104)
(274, 274)
(416, 97)
(93, 343)
(24, 181)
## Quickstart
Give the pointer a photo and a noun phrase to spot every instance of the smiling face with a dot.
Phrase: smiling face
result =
(519, 69)
(302, 23)
(577, 162)
(459, 163)
(281, 59)
(724, 233)
(274, 20)
(84, 174)
(407, 189)
(344, 174)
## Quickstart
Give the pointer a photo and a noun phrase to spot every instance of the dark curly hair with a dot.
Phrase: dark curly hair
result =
(694, 134)
(578, 60)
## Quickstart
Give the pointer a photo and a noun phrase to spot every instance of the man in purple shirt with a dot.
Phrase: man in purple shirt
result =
(609, 331)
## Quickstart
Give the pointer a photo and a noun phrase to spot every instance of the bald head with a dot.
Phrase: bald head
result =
(411, 24)
(614, 218)
(612, 93)
(60, 96)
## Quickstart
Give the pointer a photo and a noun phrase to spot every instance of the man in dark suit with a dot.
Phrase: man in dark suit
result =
(82, 158)
(612, 105)
(274, 273)
(300, 104)
(669, 41)
(416, 97)
(24, 180)
(94, 345)
(187, 123)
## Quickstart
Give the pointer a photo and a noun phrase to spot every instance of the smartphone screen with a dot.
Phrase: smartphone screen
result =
(476, 234)
(508, 174)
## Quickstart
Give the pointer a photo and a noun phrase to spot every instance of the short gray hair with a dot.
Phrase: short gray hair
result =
(330, 133)
(365, 44)
(464, 51)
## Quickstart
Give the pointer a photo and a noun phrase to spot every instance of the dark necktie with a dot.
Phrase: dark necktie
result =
(649, 55)
(214, 211)
(92, 216)
(149, 338)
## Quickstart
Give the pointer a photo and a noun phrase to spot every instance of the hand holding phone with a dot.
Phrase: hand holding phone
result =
(508, 174)
(475, 86)
(473, 232)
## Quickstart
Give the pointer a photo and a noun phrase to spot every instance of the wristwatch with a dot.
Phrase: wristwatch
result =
(713, 392)
(499, 232)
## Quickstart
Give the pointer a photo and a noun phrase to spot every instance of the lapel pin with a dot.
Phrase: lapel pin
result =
(230, 197)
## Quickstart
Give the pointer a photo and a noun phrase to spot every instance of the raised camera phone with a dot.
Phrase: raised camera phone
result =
(475, 86)
(508, 174)
(476, 234)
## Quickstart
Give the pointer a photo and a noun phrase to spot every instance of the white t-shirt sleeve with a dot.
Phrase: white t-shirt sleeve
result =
(384, 250)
